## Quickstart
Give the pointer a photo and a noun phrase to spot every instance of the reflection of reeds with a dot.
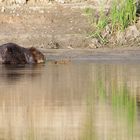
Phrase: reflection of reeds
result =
(122, 103)
(88, 132)
(125, 105)
(101, 90)
(111, 103)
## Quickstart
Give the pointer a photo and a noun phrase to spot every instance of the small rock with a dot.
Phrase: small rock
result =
(120, 37)
(106, 32)
(94, 43)
(3, 9)
(54, 45)
(13, 11)
(20, 1)
(129, 34)
(71, 28)
(61, 1)
(70, 47)
(132, 32)
(41, 11)
(42, 45)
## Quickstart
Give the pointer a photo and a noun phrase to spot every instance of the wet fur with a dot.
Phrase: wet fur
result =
(12, 53)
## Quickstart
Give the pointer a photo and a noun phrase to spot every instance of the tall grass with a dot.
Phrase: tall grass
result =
(98, 23)
(121, 14)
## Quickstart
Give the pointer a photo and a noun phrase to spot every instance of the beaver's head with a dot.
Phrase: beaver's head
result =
(38, 57)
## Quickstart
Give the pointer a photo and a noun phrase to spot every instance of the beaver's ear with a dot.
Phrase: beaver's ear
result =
(32, 49)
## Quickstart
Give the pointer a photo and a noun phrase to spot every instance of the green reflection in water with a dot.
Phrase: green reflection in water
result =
(113, 91)
(88, 133)
(101, 90)
(125, 105)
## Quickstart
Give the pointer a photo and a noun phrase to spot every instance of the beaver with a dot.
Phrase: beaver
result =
(11, 53)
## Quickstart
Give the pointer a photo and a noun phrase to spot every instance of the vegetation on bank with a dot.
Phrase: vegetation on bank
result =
(121, 14)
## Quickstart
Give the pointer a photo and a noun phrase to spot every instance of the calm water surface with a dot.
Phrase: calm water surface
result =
(75, 101)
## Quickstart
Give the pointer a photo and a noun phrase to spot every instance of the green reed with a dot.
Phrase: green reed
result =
(121, 14)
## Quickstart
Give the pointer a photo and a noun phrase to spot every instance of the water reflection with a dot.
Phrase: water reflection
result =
(76, 101)
(13, 73)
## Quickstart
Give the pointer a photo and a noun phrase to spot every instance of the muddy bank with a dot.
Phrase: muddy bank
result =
(56, 26)
(65, 56)
(64, 27)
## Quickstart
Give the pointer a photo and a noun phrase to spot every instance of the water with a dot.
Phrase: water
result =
(74, 101)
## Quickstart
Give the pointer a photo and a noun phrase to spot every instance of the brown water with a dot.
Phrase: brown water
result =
(75, 101)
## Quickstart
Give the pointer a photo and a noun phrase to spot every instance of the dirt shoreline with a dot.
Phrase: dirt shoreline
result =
(55, 26)
(102, 54)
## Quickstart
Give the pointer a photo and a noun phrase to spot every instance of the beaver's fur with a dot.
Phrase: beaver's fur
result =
(11, 53)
